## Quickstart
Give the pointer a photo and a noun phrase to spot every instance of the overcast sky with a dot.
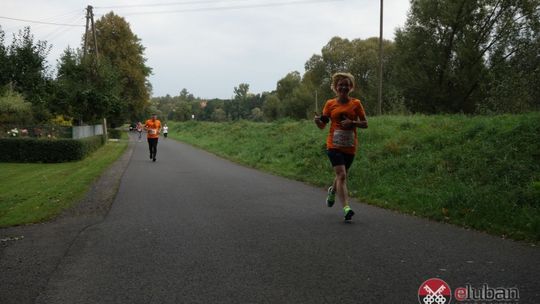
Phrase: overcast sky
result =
(209, 48)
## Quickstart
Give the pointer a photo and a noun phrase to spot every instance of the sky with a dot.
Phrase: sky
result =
(209, 46)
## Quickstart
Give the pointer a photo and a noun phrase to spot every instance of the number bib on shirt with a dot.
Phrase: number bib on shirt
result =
(343, 138)
(152, 131)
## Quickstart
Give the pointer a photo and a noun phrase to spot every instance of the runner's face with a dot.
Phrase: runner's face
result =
(343, 87)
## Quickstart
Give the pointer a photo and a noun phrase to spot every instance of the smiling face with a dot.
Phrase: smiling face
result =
(342, 84)
(343, 87)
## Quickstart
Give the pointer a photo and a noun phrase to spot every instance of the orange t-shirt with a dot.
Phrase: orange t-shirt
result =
(339, 138)
(153, 127)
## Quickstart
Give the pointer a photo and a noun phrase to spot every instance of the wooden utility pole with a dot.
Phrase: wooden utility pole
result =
(90, 22)
(94, 31)
(85, 46)
(316, 103)
(380, 60)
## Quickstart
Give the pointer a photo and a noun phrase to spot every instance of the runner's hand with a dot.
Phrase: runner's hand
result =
(347, 123)
(317, 119)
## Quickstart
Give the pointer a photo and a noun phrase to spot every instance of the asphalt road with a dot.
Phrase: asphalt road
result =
(194, 228)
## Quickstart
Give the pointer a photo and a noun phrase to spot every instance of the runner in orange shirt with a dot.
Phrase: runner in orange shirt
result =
(153, 128)
(346, 114)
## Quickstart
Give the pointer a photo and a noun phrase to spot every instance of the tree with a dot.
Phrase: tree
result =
(272, 108)
(4, 64)
(358, 57)
(241, 94)
(219, 115)
(24, 69)
(256, 114)
(185, 95)
(293, 95)
(448, 49)
(86, 91)
(14, 110)
(124, 51)
(286, 85)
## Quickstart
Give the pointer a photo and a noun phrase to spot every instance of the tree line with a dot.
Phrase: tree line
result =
(451, 56)
(472, 57)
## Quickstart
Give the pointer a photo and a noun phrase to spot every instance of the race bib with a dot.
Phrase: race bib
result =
(152, 131)
(343, 138)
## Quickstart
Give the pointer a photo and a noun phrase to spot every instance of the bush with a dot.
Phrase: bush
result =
(115, 133)
(32, 150)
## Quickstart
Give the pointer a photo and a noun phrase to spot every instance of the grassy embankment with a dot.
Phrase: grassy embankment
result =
(478, 172)
(31, 193)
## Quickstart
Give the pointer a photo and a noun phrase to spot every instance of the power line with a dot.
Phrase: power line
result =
(40, 22)
(59, 31)
(222, 8)
(62, 18)
(165, 4)
(64, 15)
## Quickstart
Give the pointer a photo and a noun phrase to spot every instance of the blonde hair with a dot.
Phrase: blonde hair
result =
(339, 76)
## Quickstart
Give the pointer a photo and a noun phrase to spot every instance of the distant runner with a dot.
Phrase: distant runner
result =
(346, 114)
(139, 129)
(153, 127)
(165, 130)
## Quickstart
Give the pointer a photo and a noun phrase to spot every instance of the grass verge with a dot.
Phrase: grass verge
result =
(31, 193)
(480, 172)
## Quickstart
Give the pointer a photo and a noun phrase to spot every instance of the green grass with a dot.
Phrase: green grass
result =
(31, 193)
(480, 172)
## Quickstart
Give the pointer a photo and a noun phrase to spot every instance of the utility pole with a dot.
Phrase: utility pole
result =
(380, 60)
(94, 31)
(90, 22)
(316, 103)
(85, 45)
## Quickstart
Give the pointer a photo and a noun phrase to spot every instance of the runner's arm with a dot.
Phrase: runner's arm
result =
(321, 121)
(361, 120)
(362, 124)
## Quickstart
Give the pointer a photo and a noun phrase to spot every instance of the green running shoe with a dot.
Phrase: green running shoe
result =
(331, 198)
(348, 213)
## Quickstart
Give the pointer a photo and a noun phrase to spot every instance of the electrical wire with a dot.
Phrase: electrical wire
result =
(165, 4)
(219, 8)
(40, 22)
(59, 31)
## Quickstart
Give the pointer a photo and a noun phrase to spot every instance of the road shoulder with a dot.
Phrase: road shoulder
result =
(30, 254)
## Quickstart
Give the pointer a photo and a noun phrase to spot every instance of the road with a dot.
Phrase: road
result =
(194, 228)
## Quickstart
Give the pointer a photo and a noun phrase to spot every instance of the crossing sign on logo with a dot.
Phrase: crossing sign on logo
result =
(434, 291)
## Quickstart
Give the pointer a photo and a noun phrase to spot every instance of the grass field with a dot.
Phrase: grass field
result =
(31, 193)
(481, 172)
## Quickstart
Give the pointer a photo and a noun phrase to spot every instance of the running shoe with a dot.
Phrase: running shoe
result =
(348, 213)
(331, 198)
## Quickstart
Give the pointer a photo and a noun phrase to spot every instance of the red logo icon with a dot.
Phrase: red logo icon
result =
(434, 291)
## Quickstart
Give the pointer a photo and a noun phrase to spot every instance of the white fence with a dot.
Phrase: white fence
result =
(86, 131)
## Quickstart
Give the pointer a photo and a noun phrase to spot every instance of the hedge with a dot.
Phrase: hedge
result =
(32, 150)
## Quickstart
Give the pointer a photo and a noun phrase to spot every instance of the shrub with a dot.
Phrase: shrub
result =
(115, 133)
(32, 150)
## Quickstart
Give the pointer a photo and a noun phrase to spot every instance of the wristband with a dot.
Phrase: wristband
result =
(325, 119)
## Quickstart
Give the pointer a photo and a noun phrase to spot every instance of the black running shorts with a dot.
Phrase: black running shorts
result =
(338, 158)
